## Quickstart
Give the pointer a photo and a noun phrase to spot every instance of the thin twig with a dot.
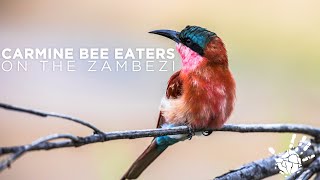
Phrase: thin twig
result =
(308, 172)
(273, 128)
(7, 162)
(49, 114)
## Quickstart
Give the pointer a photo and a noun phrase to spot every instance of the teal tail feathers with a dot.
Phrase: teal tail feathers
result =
(157, 146)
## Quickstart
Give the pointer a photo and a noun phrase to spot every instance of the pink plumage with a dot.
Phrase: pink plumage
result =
(200, 95)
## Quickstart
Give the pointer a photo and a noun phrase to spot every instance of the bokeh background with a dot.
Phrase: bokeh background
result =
(273, 49)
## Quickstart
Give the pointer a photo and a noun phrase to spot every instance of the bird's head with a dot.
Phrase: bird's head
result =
(195, 45)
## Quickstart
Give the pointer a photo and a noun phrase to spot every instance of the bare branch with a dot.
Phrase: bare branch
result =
(267, 167)
(108, 136)
(254, 170)
(133, 134)
(45, 145)
(49, 114)
(6, 163)
(273, 128)
(308, 172)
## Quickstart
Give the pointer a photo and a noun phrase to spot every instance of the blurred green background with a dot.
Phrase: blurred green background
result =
(273, 49)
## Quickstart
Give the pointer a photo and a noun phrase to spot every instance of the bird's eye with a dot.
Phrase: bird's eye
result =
(188, 42)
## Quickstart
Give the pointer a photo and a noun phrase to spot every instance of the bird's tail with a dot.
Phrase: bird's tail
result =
(144, 160)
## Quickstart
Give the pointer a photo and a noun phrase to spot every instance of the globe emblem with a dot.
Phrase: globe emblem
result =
(289, 162)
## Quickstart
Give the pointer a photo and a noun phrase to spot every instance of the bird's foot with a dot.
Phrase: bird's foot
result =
(191, 132)
(207, 133)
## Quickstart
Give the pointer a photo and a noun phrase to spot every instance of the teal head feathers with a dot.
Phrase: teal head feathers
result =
(194, 37)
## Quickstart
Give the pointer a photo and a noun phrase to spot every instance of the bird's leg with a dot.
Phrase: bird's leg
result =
(207, 133)
(191, 132)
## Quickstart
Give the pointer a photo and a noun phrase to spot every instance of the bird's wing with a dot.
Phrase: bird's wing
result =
(174, 90)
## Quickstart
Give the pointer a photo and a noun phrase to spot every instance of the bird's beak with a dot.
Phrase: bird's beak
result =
(174, 35)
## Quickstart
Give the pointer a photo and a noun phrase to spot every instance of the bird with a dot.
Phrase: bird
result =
(200, 95)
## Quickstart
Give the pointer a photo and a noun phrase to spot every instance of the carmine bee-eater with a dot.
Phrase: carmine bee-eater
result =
(200, 95)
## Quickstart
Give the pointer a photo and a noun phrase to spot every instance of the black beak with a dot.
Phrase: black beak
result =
(174, 35)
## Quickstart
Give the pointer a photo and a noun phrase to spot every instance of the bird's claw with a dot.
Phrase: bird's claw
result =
(207, 133)
(191, 133)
